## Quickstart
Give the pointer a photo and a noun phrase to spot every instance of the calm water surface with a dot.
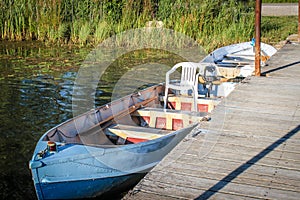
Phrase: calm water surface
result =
(36, 85)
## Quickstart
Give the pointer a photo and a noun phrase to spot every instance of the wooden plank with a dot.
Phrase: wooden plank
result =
(244, 105)
(227, 166)
(258, 109)
(259, 138)
(208, 184)
(266, 161)
(227, 147)
(242, 92)
(147, 195)
(259, 179)
(263, 130)
(185, 191)
(243, 137)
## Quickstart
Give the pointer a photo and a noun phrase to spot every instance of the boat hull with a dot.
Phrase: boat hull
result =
(87, 188)
(79, 171)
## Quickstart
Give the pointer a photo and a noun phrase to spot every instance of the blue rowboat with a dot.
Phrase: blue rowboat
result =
(107, 148)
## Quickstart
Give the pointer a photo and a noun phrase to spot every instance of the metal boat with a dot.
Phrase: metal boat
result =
(107, 147)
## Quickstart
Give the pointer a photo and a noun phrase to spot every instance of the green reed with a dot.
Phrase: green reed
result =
(271, 26)
(212, 23)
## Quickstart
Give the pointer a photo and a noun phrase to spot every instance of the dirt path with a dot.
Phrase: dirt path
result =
(279, 9)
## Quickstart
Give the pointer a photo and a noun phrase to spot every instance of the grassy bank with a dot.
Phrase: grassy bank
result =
(276, 29)
(212, 23)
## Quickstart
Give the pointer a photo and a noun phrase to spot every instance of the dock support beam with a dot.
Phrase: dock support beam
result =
(257, 37)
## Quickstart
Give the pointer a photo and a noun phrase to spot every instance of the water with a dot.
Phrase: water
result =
(35, 84)
(36, 94)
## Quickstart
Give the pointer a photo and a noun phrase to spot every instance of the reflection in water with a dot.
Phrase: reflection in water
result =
(36, 94)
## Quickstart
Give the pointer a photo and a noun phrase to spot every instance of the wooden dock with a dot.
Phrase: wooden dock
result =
(249, 150)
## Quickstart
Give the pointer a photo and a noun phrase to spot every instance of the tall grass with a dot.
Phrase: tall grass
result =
(211, 22)
(271, 26)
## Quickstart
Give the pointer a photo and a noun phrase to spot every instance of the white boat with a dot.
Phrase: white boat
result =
(237, 60)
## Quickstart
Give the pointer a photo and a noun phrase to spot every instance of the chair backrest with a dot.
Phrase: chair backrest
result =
(188, 82)
(188, 73)
(188, 76)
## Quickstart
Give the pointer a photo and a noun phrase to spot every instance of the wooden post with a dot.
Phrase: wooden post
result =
(257, 36)
(299, 21)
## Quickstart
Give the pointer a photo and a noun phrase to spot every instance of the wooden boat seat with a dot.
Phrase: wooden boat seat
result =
(169, 119)
(186, 103)
(235, 62)
(136, 134)
(228, 65)
(241, 56)
(229, 72)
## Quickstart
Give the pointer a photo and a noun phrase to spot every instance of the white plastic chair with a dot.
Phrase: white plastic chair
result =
(188, 81)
